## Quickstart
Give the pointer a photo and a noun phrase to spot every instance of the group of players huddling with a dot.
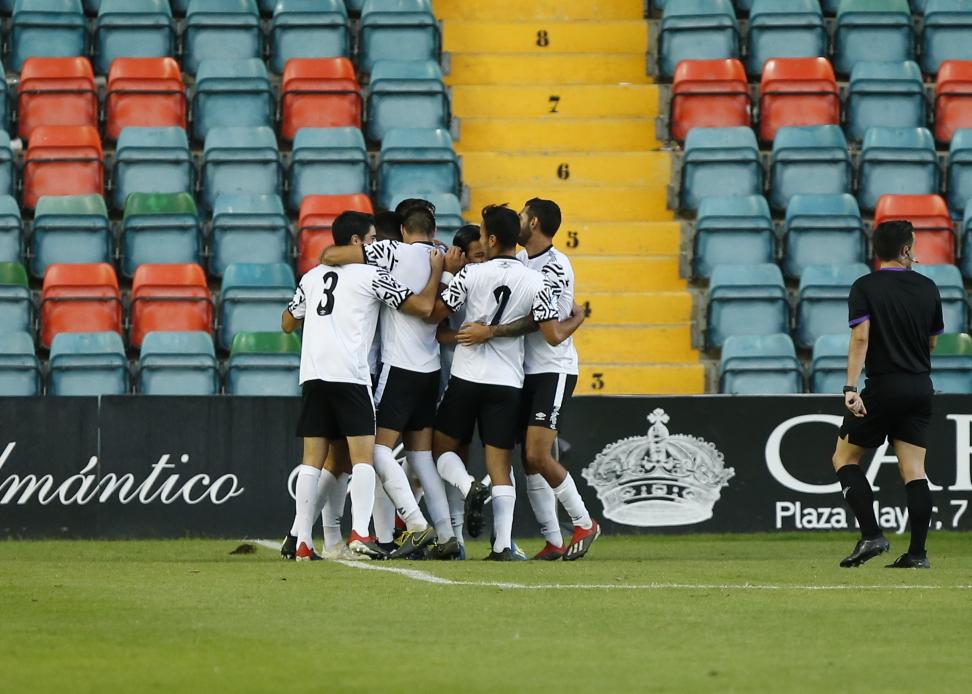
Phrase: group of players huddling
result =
(508, 316)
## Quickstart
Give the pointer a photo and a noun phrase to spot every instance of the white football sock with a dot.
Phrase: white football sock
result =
(435, 491)
(333, 510)
(504, 499)
(362, 497)
(544, 505)
(383, 515)
(395, 482)
(306, 489)
(571, 500)
(454, 472)
(457, 510)
(413, 480)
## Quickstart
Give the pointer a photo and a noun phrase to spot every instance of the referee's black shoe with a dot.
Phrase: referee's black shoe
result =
(475, 501)
(288, 550)
(908, 561)
(866, 550)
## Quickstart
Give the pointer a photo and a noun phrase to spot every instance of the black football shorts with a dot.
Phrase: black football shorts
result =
(544, 397)
(899, 407)
(333, 410)
(496, 409)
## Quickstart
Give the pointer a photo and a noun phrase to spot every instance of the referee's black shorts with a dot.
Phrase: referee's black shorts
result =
(899, 407)
(496, 409)
(332, 410)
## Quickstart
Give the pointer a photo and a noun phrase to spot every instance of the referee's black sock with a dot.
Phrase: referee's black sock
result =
(919, 513)
(857, 491)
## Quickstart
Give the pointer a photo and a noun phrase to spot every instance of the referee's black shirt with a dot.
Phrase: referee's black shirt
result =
(905, 309)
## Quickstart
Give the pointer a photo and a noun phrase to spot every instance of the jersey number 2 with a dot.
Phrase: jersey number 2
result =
(326, 306)
(502, 294)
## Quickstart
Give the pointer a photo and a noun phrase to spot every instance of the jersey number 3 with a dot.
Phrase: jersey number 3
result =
(326, 306)
(502, 294)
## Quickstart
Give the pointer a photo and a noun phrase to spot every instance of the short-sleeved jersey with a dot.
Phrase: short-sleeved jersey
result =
(407, 342)
(339, 306)
(905, 309)
(542, 357)
(500, 290)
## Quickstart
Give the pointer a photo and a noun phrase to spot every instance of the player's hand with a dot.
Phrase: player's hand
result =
(454, 260)
(854, 404)
(437, 261)
(578, 310)
(473, 334)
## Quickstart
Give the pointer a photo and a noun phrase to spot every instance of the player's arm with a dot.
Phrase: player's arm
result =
(445, 335)
(423, 303)
(292, 317)
(343, 255)
(451, 299)
(477, 333)
(557, 331)
(288, 323)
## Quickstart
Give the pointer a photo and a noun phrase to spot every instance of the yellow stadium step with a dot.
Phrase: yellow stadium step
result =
(570, 101)
(643, 308)
(619, 238)
(610, 204)
(556, 135)
(649, 169)
(635, 344)
(544, 36)
(660, 379)
(549, 68)
(540, 9)
(627, 274)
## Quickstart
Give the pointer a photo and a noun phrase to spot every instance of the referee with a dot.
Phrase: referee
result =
(895, 317)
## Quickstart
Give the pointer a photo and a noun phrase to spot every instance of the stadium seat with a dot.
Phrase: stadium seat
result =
(5, 107)
(178, 363)
(934, 231)
(946, 33)
(448, 212)
(872, 31)
(252, 298)
(327, 161)
(160, 228)
(308, 29)
(709, 94)
(46, 28)
(959, 171)
(822, 300)
(151, 160)
(88, 363)
(809, 160)
(220, 30)
(144, 93)
(132, 29)
(795, 92)
(966, 242)
(317, 214)
(169, 298)
(319, 93)
(11, 231)
(759, 365)
(746, 300)
(955, 304)
(69, 229)
(896, 161)
(822, 229)
(697, 30)
(239, 161)
(720, 161)
(20, 370)
(953, 98)
(784, 29)
(406, 95)
(397, 30)
(951, 363)
(56, 91)
(732, 230)
(231, 94)
(416, 161)
(264, 363)
(79, 298)
(828, 365)
(248, 229)
(62, 160)
(8, 165)
(889, 95)
(16, 304)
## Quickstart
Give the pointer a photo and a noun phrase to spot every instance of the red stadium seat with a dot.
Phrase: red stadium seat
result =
(144, 92)
(319, 93)
(63, 160)
(317, 214)
(169, 298)
(934, 230)
(797, 91)
(56, 91)
(953, 98)
(709, 94)
(79, 299)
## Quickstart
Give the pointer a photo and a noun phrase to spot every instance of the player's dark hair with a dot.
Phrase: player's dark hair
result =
(420, 221)
(408, 204)
(350, 224)
(503, 223)
(547, 213)
(465, 236)
(388, 226)
(890, 237)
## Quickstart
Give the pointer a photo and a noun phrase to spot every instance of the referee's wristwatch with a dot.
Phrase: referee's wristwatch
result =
(850, 389)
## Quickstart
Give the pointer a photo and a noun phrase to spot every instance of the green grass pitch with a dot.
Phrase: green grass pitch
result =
(647, 614)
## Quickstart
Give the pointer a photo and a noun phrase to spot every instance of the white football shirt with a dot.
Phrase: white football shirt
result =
(407, 342)
(498, 291)
(542, 357)
(339, 306)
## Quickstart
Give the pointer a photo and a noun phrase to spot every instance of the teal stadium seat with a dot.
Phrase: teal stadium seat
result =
(784, 29)
(732, 230)
(160, 228)
(231, 94)
(151, 160)
(746, 300)
(397, 30)
(959, 171)
(822, 229)
(46, 28)
(828, 365)
(132, 29)
(248, 229)
(264, 363)
(308, 29)
(829, 7)
(88, 364)
(239, 161)
(220, 30)
(177, 363)
(872, 31)
(946, 33)
(8, 163)
(822, 300)
(720, 161)
(918, 6)
(896, 161)
(11, 231)
(417, 161)
(179, 7)
(697, 30)
(4, 103)
(810, 160)
(952, 364)
(328, 161)
(20, 370)
(16, 304)
(253, 297)
(888, 95)
(965, 239)
(69, 229)
(760, 365)
(955, 303)
(406, 95)
(448, 212)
